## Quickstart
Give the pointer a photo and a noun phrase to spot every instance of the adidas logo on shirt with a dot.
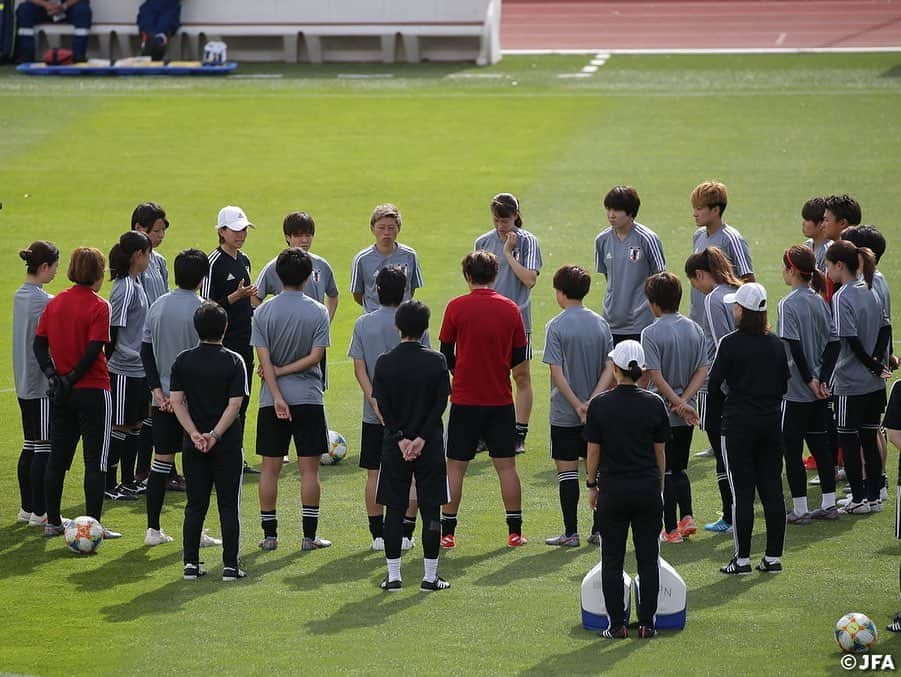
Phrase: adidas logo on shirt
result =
(230, 278)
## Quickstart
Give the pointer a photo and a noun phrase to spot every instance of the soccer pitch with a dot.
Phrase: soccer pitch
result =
(76, 156)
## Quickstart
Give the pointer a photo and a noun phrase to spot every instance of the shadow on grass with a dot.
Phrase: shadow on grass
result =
(597, 655)
(455, 566)
(532, 566)
(331, 571)
(369, 612)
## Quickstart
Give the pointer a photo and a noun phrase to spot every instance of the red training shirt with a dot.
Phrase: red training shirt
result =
(70, 321)
(485, 327)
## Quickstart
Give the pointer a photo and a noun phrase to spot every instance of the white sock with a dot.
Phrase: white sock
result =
(828, 500)
(742, 561)
(800, 505)
(431, 569)
(393, 569)
(772, 560)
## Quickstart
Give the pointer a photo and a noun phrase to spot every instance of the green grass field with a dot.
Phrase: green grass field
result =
(77, 155)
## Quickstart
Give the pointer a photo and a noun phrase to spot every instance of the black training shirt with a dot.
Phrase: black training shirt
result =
(754, 368)
(225, 275)
(209, 375)
(626, 422)
(411, 385)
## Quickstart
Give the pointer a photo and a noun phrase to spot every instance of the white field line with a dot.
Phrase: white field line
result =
(731, 50)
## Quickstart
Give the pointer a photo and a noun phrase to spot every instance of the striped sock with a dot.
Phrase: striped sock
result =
(310, 520)
(448, 523)
(514, 522)
(569, 500)
(156, 491)
(269, 522)
(116, 445)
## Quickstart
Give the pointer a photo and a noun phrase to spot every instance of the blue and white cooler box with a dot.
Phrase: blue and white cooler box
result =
(671, 599)
(594, 611)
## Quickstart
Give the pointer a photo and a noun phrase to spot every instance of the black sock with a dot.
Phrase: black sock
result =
(156, 491)
(683, 493)
(409, 526)
(569, 500)
(595, 522)
(514, 522)
(269, 522)
(116, 444)
(448, 523)
(38, 472)
(130, 455)
(377, 526)
(145, 451)
(431, 531)
(24, 473)
(670, 520)
(722, 481)
(310, 520)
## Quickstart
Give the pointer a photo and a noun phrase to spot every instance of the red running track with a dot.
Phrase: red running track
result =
(700, 24)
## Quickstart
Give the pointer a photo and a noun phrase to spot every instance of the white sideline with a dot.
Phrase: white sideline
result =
(731, 50)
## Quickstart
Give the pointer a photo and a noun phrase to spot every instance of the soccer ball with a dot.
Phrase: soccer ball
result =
(855, 633)
(84, 535)
(337, 449)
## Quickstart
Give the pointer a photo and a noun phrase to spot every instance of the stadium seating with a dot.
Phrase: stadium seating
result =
(308, 31)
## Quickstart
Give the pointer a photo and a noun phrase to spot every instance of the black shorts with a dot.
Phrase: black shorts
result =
(371, 438)
(396, 475)
(168, 436)
(469, 423)
(85, 415)
(307, 427)
(853, 412)
(567, 443)
(129, 399)
(805, 418)
(36, 419)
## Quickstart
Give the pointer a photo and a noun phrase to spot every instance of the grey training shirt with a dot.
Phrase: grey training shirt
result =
(289, 326)
(578, 340)
(735, 248)
(28, 304)
(320, 284)
(626, 264)
(528, 254)
(819, 253)
(155, 279)
(804, 316)
(856, 311)
(676, 347)
(370, 261)
(169, 328)
(374, 334)
(128, 311)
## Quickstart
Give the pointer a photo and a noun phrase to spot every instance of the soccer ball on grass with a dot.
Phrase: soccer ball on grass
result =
(337, 449)
(84, 535)
(855, 633)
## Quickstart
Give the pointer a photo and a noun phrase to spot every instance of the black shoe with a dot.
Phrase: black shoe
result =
(646, 632)
(736, 569)
(248, 470)
(433, 586)
(895, 625)
(134, 488)
(769, 567)
(118, 493)
(231, 574)
(390, 586)
(614, 633)
(176, 483)
(158, 48)
(193, 572)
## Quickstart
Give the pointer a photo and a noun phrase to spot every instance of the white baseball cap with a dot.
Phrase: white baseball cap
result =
(626, 352)
(750, 295)
(233, 218)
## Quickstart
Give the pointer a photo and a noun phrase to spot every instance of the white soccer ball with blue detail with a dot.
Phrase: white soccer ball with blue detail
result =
(855, 633)
(337, 449)
(84, 535)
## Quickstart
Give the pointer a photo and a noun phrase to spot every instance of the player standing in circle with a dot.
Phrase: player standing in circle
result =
(375, 333)
(290, 334)
(576, 345)
(841, 211)
(708, 202)
(519, 260)
(41, 263)
(208, 387)
(753, 365)
(711, 275)
(68, 345)
(228, 284)
(858, 381)
(627, 254)
(482, 338)
(892, 425)
(626, 429)
(385, 224)
(150, 219)
(411, 386)
(169, 331)
(813, 226)
(675, 350)
(128, 310)
(805, 326)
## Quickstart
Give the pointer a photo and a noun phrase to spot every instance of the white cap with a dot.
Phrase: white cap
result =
(232, 218)
(750, 295)
(626, 352)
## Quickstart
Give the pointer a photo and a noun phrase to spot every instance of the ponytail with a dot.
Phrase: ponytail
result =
(856, 259)
(37, 254)
(802, 260)
(712, 260)
(868, 263)
(121, 253)
(634, 371)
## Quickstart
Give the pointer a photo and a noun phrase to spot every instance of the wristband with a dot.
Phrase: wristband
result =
(214, 435)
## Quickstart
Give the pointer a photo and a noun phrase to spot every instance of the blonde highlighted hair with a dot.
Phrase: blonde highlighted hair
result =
(710, 194)
(386, 210)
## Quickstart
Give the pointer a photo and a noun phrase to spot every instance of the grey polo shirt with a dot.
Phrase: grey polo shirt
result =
(733, 245)
(367, 264)
(169, 328)
(128, 311)
(28, 304)
(804, 316)
(320, 284)
(856, 311)
(528, 254)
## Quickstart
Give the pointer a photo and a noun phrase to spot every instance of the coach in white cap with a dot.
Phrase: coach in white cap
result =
(751, 361)
(627, 429)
